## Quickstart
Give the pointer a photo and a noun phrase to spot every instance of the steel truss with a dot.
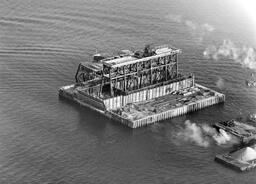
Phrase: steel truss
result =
(141, 74)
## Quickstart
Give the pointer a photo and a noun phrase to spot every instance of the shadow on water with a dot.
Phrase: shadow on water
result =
(98, 123)
(207, 115)
(95, 121)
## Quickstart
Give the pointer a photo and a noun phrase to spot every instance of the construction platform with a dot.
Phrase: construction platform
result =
(139, 88)
(141, 108)
(241, 160)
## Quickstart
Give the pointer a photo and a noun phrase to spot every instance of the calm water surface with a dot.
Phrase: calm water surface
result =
(47, 140)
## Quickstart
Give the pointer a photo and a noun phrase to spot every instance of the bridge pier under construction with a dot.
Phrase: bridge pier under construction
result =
(139, 88)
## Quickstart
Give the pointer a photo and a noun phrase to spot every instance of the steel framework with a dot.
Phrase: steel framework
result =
(140, 73)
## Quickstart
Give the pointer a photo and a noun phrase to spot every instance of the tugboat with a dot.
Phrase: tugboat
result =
(251, 83)
(246, 133)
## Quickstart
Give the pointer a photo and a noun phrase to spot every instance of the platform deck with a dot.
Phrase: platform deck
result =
(141, 113)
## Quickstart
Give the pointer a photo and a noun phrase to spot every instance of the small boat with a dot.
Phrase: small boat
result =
(251, 83)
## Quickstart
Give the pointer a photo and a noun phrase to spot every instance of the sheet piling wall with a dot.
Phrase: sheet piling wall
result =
(148, 94)
(178, 111)
(108, 106)
(90, 100)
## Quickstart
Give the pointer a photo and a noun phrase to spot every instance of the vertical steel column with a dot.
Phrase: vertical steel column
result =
(116, 83)
(151, 72)
(165, 62)
(110, 84)
(138, 82)
(193, 80)
(102, 81)
(78, 69)
(124, 78)
(177, 65)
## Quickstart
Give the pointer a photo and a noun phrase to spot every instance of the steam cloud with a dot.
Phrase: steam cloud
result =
(202, 135)
(200, 30)
(193, 133)
(220, 83)
(244, 55)
(208, 27)
(174, 18)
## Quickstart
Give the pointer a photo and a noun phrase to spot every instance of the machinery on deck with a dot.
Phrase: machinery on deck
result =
(244, 132)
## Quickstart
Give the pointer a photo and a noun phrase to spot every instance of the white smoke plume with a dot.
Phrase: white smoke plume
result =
(208, 27)
(222, 137)
(193, 133)
(203, 135)
(244, 55)
(199, 30)
(191, 24)
(174, 18)
(220, 83)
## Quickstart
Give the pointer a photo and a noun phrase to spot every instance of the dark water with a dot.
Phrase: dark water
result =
(46, 140)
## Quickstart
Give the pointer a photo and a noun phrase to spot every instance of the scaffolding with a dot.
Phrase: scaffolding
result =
(130, 71)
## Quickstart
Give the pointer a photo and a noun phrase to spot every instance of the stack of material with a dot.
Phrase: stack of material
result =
(245, 154)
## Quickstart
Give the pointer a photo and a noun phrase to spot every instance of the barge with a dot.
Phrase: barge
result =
(243, 159)
(139, 88)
